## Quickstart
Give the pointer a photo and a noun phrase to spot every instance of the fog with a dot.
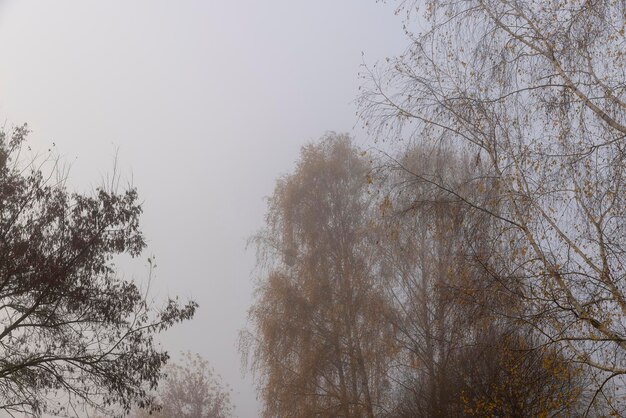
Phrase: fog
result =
(205, 104)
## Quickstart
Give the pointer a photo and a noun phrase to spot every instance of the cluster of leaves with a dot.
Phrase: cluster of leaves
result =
(73, 332)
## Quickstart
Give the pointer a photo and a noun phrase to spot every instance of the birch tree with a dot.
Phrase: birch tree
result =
(461, 351)
(534, 90)
(318, 335)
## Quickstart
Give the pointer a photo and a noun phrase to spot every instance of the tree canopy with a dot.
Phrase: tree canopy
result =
(534, 92)
(319, 337)
(74, 332)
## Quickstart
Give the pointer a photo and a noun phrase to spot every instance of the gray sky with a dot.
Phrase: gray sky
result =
(208, 103)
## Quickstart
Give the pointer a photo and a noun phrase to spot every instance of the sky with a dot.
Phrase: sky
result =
(205, 103)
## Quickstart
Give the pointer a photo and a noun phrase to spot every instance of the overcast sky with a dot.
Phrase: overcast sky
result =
(208, 103)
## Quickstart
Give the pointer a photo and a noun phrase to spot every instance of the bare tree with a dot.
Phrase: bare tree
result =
(534, 90)
(191, 390)
(73, 332)
(461, 352)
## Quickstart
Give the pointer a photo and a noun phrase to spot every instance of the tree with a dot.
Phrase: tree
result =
(73, 332)
(319, 340)
(191, 390)
(460, 350)
(534, 90)
(375, 299)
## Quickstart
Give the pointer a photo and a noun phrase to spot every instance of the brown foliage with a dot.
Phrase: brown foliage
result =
(379, 296)
(319, 342)
(73, 332)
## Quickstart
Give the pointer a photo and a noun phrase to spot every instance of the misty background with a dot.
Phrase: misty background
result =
(206, 104)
